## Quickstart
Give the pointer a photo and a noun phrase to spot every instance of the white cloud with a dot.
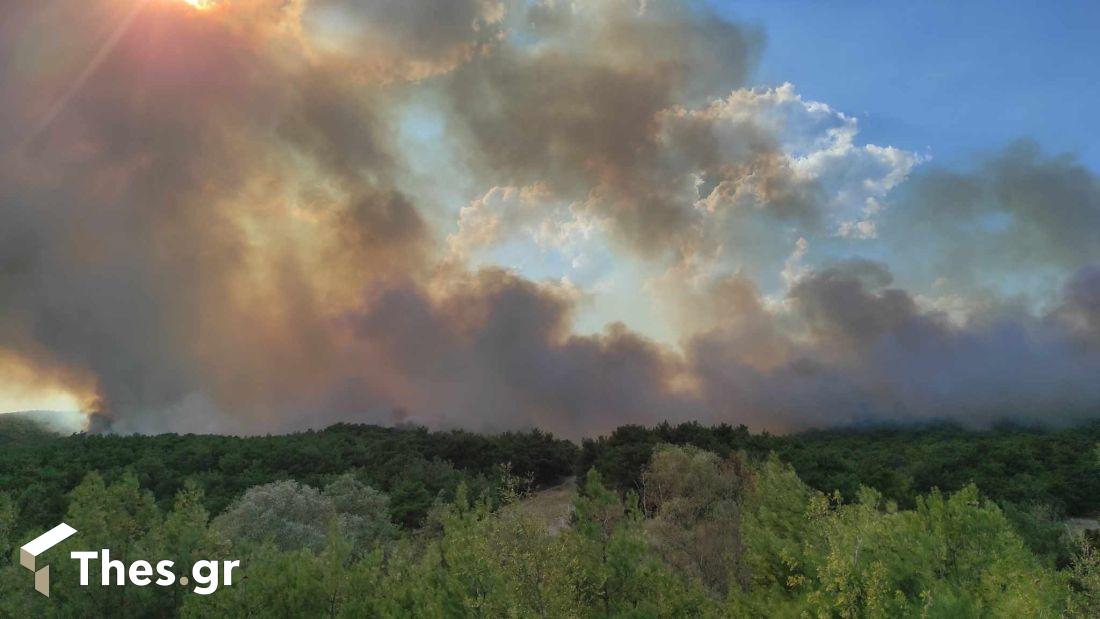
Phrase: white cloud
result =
(758, 171)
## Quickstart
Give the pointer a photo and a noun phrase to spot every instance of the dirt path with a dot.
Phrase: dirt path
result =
(553, 506)
(1078, 526)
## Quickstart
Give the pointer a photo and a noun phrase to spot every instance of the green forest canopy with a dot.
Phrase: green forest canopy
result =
(1021, 466)
(701, 535)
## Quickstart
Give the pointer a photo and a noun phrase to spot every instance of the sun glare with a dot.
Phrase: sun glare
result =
(199, 4)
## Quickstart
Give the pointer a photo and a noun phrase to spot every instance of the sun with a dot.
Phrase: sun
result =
(199, 4)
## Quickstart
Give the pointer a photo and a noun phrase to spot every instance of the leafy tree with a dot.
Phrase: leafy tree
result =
(952, 556)
(120, 517)
(290, 515)
(775, 521)
(617, 573)
(1042, 528)
(363, 512)
(7, 525)
(123, 518)
(287, 583)
(18, 430)
(1084, 593)
(536, 560)
(187, 538)
(695, 498)
(468, 572)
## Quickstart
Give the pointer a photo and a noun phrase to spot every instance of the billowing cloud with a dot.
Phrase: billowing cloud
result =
(1016, 221)
(855, 349)
(394, 40)
(216, 220)
(493, 350)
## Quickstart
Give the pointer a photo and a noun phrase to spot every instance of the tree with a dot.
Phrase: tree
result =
(536, 561)
(287, 583)
(288, 514)
(7, 526)
(775, 519)
(954, 555)
(1084, 593)
(617, 573)
(120, 517)
(186, 538)
(694, 496)
(362, 511)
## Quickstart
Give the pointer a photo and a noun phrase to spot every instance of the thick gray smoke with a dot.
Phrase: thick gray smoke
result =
(218, 225)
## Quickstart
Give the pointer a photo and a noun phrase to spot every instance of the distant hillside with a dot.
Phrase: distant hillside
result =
(61, 422)
(20, 429)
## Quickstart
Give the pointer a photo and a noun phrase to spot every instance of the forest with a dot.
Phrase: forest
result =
(669, 521)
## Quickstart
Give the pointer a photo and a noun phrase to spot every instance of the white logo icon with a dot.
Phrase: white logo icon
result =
(30, 552)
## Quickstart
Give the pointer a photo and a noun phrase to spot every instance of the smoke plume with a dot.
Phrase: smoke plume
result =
(266, 215)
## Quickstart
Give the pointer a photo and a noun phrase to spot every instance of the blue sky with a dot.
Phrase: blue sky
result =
(945, 78)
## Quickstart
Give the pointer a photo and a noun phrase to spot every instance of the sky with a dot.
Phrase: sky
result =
(951, 79)
(248, 216)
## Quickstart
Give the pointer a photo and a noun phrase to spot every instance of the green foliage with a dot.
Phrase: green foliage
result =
(483, 563)
(18, 430)
(1084, 599)
(952, 556)
(625, 453)
(697, 533)
(775, 521)
(125, 519)
(618, 573)
(1041, 528)
(363, 513)
(1024, 466)
(287, 514)
(413, 466)
(695, 501)
(7, 526)
(293, 516)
